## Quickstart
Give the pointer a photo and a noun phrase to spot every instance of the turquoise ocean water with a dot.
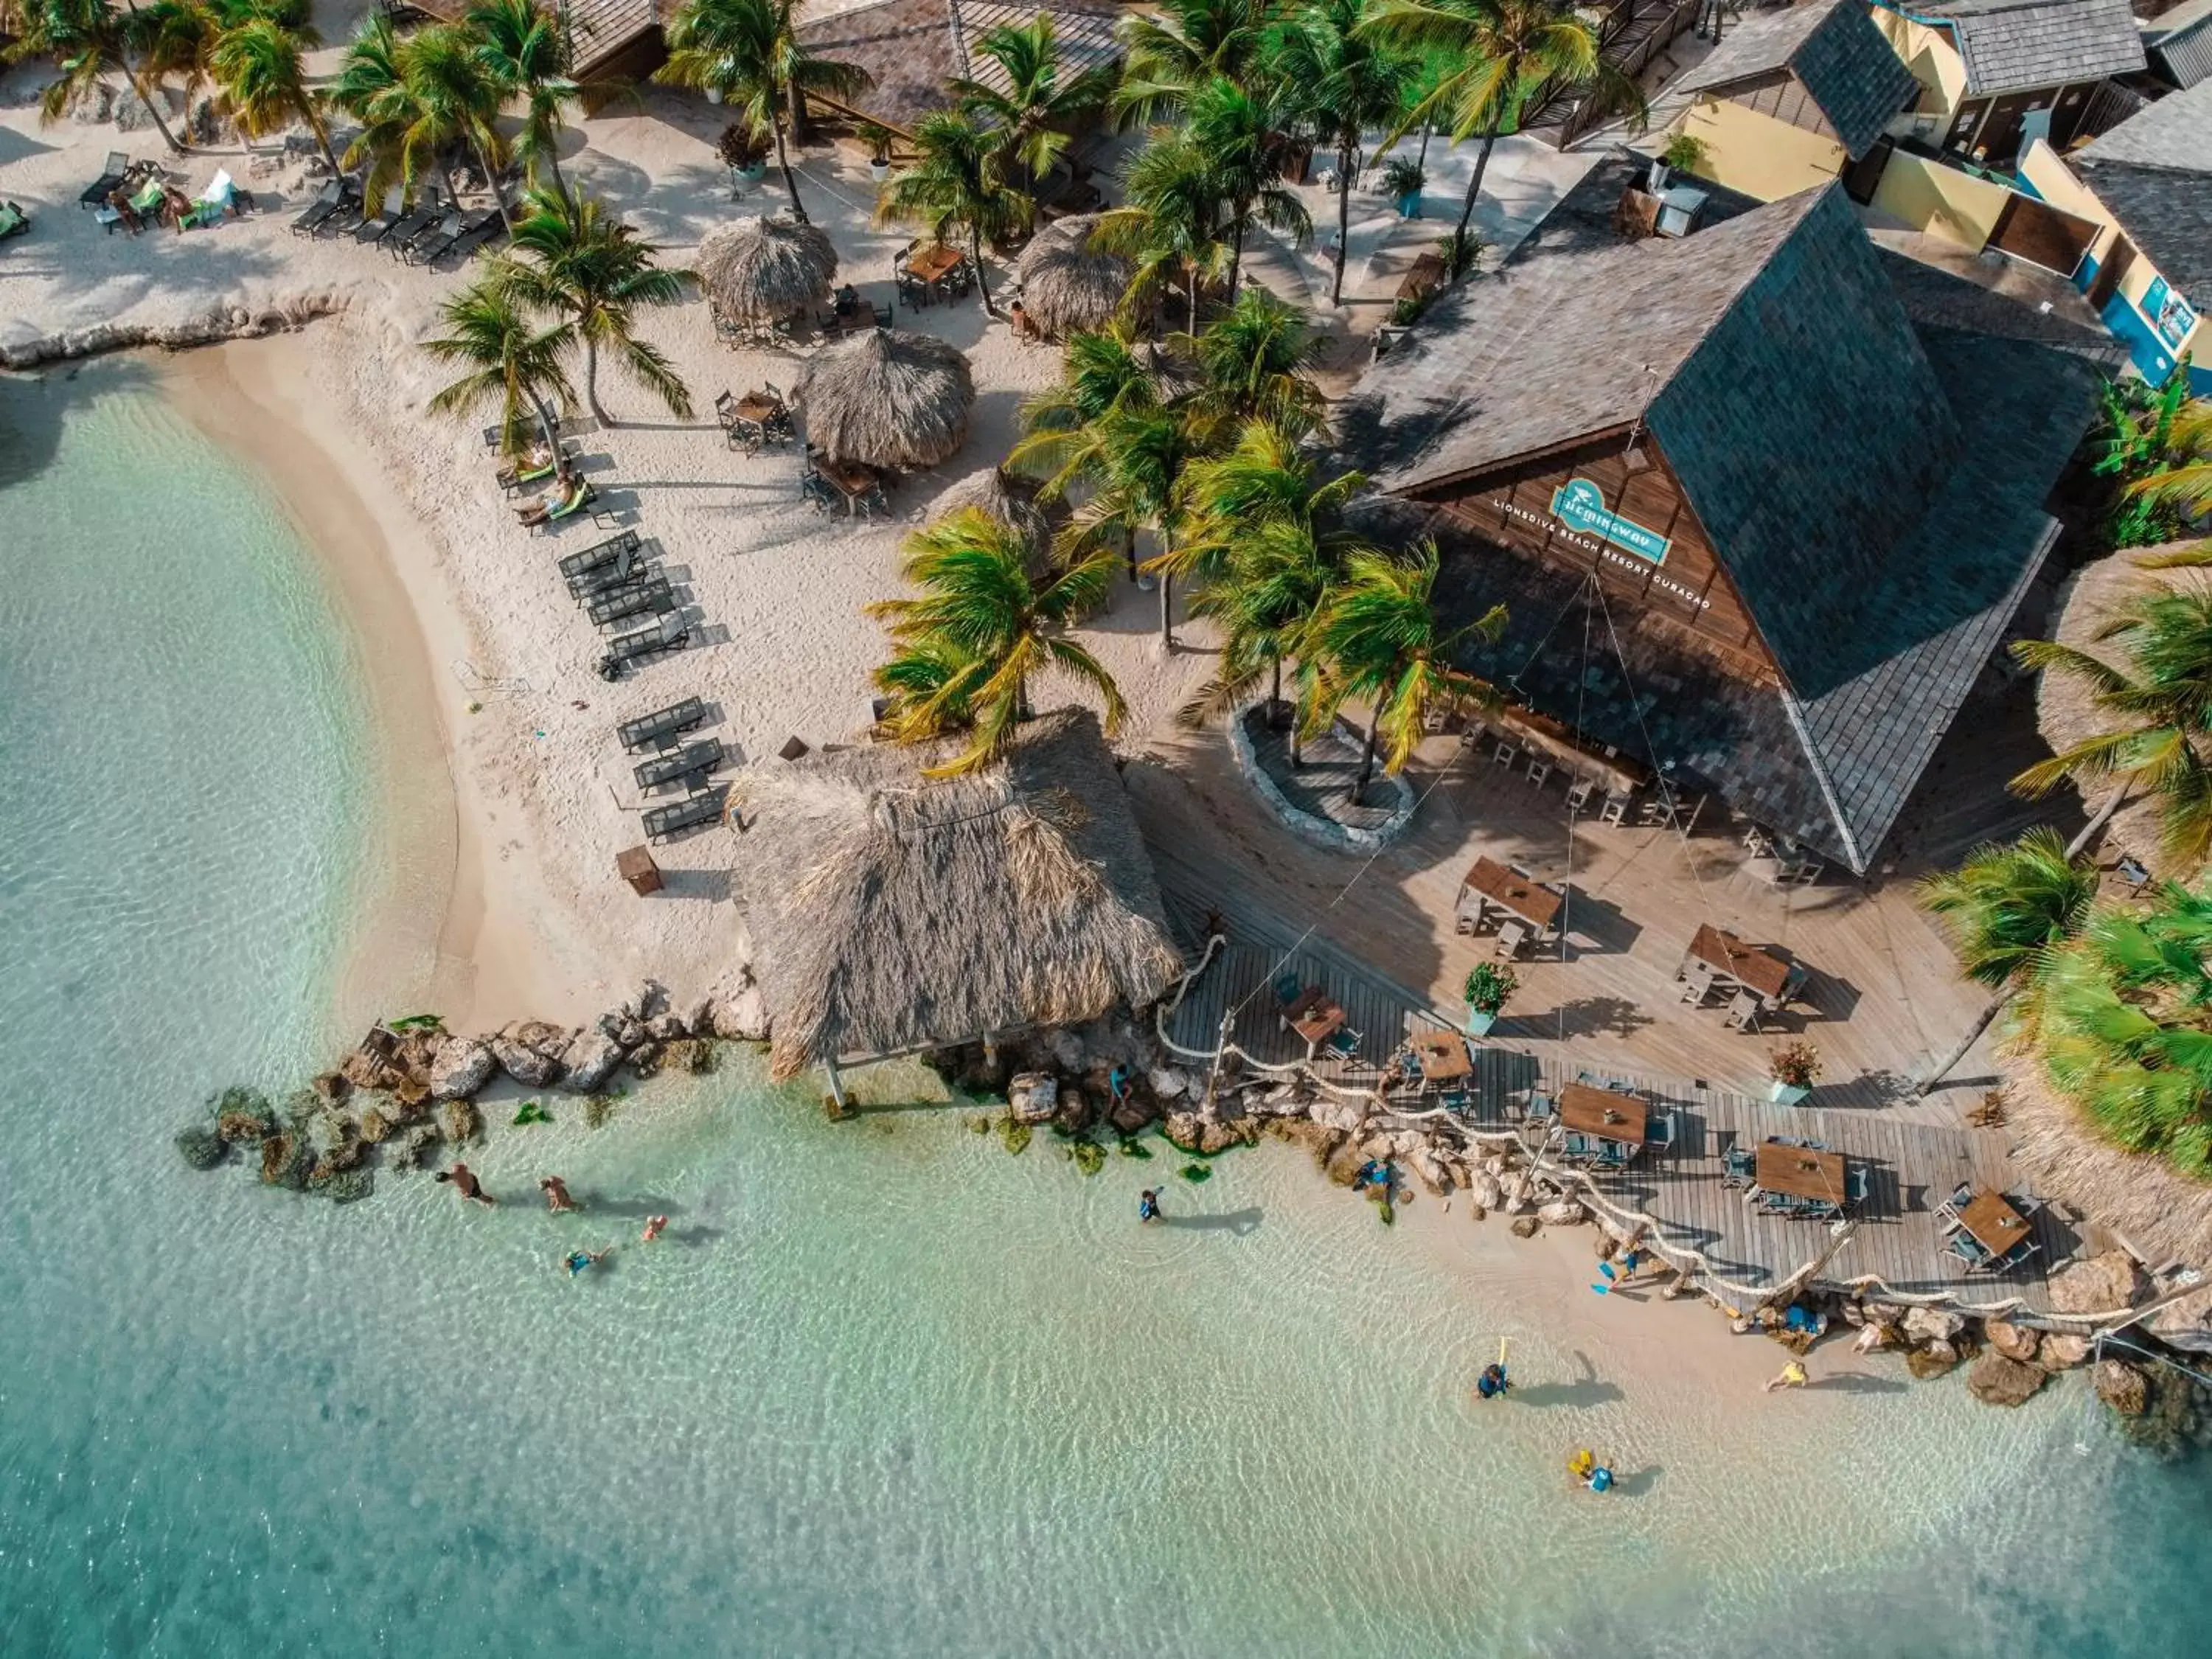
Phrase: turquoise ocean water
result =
(885, 1389)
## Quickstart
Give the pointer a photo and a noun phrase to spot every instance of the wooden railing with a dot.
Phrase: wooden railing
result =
(1631, 35)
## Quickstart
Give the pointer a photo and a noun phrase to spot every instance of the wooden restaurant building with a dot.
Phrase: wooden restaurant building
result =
(1754, 524)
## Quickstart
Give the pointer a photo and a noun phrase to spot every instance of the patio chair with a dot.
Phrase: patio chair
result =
(1737, 1166)
(1857, 1183)
(1615, 809)
(1578, 794)
(1511, 936)
(1539, 771)
(1344, 1042)
(1539, 1109)
(1743, 1013)
(1286, 987)
(1505, 754)
(1968, 1248)
(1696, 984)
(1661, 1130)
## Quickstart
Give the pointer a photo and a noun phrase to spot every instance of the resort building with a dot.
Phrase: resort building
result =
(913, 47)
(1791, 99)
(1758, 526)
(894, 913)
(2179, 38)
(1995, 74)
(2147, 185)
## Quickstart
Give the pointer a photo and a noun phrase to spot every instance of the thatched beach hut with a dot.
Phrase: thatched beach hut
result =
(2067, 713)
(1067, 286)
(887, 399)
(895, 913)
(757, 269)
(1013, 500)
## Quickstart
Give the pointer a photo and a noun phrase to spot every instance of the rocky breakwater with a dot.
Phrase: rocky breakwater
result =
(411, 1087)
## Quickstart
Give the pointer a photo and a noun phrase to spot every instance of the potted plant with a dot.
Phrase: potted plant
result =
(1403, 182)
(1795, 1067)
(744, 151)
(1487, 988)
(878, 140)
(1684, 153)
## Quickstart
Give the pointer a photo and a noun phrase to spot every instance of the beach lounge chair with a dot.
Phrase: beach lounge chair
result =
(434, 242)
(14, 222)
(548, 511)
(645, 599)
(690, 761)
(669, 634)
(210, 205)
(481, 227)
(627, 571)
(705, 808)
(662, 727)
(529, 470)
(328, 200)
(112, 173)
(378, 226)
(420, 222)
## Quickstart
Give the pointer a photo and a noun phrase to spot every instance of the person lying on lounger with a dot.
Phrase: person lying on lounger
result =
(564, 498)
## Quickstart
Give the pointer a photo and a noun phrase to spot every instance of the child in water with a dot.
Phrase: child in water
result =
(580, 1260)
(1148, 1205)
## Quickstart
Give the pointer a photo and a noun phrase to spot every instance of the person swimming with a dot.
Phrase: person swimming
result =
(654, 1226)
(464, 1182)
(556, 1194)
(580, 1260)
(1493, 1381)
(1117, 1080)
(1148, 1205)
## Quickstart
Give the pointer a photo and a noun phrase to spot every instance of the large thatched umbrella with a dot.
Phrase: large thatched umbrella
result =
(2067, 713)
(1068, 286)
(757, 270)
(887, 399)
(896, 912)
(1013, 500)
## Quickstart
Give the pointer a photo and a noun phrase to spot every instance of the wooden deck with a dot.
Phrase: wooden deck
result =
(1912, 1166)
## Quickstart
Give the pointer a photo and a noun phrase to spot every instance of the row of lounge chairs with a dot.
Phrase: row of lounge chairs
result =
(674, 762)
(420, 237)
(615, 581)
(704, 807)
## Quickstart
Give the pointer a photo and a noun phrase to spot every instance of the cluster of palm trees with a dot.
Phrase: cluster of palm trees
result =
(2113, 998)
(1204, 449)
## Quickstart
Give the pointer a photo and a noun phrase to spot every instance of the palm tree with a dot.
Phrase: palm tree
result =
(748, 53)
(1034, 113)
(2120, 1023)
(1252, 357)
(456, 101)
(1504, 56)
(257, 65)
(2162, 703)
(512, 365)
(418, 99)
(522, 47)
(2007, 908)
(593, 271)
(1141, 454)
(1101, 374)
(983, 631)
(1167, 56)
(1240, 131)
(1343, 82)
(958, 183)
(1377, 639)
(1264, 598)
(86, 38)
(1168, 225)
(2184, 481)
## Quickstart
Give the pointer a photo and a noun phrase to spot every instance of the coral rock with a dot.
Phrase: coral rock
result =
(460, 1067)
(201, 1148)
(2121, 1387)
(375, 1127)
(666, 1028)
(1933, 1360)
(1130, 1117)
(1995, 1380)
(648, 1059)
(1562, 1212)
(1526, 1227)
(2062, 1351)
(742, 1017)
(461, 1124)
(1933, 1324)
(589, 1060)
(1185, 1131)
(2013, 1341)
(2102, 1284)
(532, 1067)
(1170, 1083)
(1033, 1096)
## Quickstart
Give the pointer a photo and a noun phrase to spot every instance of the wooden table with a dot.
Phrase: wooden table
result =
(1995, 1224)
(934, 265)
(1617, 772)
(851, 479)
(1760, 972)
(1443, 1056)
(756, 408)
(1315, 1017)
(1800, 1172)
(1423, 277)
(1605, 1113)
(862, 315)
(1491, 883)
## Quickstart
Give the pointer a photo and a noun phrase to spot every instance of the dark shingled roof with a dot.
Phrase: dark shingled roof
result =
(2010, 46)
(2175, 132)
(2166, 212)
(1835, 51)
(1872, 482)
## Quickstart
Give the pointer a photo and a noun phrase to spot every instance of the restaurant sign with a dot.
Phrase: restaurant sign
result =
(1580, 505)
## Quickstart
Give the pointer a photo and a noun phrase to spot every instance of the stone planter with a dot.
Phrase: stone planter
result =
(879, 171)
(1786, 1094)
(1478, 1022)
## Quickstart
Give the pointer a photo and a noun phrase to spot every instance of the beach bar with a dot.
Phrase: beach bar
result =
(894, 913)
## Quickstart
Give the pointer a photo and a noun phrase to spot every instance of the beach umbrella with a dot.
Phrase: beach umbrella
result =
(760, 269)
(887, 399)
(1013, 500)
(1067, 286)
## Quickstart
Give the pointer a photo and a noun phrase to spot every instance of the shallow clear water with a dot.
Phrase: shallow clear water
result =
(884, 1390)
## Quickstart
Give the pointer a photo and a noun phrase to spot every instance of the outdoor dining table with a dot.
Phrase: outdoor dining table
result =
(1993, 1225)
(861, 315)
(932, 265)
(851, 479)
(1488, 882)
(1443, 1056)
(1763, 974)
(1810, 1173)
(1316, 1017)
(1607, 1114)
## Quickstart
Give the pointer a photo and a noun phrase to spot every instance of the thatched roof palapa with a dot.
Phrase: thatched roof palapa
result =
(1013, 500)
(2068, 713)
(759, 269)
(1067, 286)
(895, 912)
(887, 399)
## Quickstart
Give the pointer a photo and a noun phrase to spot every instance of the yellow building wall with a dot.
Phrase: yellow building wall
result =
(2054, 181)
(1939, 200)
(1756, 153)
(1930, 54)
